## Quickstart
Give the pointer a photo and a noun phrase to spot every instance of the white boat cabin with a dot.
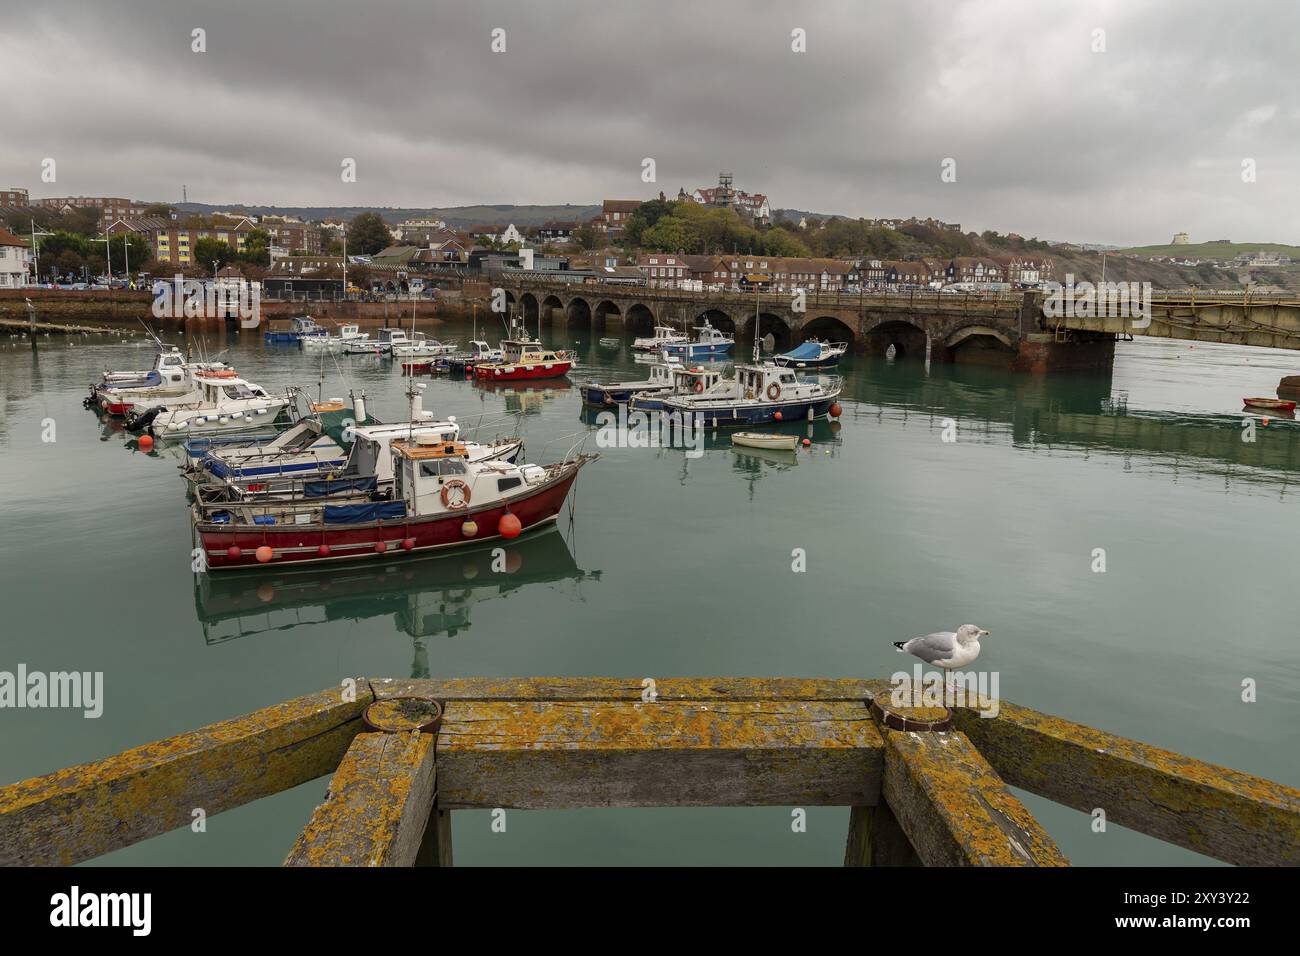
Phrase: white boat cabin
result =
(664, 335)
(526, 352)
(387, 338)
(433, 476)
(372, 444)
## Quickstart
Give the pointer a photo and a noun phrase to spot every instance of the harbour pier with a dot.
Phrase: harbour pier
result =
(926, 785)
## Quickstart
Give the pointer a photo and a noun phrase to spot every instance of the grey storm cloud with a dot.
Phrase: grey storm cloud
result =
(1049, 137)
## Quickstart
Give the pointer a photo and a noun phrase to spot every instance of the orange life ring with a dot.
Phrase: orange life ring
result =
(699, 385)
(464, 494)
(773, 391)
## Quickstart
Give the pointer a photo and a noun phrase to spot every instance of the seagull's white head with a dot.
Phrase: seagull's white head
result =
(969, 632)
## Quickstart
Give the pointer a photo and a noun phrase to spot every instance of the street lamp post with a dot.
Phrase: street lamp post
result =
(108, 263)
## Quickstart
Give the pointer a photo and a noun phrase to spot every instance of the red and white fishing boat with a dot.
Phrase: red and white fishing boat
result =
(524, 359)
(441, 499)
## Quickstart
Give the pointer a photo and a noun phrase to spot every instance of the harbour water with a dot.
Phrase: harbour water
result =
(675, 565)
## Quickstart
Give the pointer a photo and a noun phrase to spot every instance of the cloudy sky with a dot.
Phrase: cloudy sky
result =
(1049, 137)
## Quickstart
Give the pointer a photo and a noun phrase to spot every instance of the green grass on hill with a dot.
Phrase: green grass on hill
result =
(1212, 250)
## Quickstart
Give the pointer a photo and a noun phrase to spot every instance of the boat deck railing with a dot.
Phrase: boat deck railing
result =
(926, 784)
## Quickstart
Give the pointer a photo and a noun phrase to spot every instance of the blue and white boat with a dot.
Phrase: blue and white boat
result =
(616, 393)
(709, 342)
(300, 326)
(813, 354)
(685, 381)
(758, 393)
(664, 335)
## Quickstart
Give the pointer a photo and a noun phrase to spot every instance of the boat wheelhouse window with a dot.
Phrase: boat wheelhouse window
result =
(787, 379)
(439, 468)
(237, 391)
(172, 360)
(505, 484)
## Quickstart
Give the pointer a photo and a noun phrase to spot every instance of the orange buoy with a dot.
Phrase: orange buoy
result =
(408, 544)
(264, 554)
(469, 528)
(807, 442)
(777, 415)
(1264, 421)
(233, 551)
(835, 410)
(381, 547)
(509, 526)
(145, 442)
(323, 550)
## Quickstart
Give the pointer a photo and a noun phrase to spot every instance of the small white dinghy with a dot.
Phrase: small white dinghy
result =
(766, 440)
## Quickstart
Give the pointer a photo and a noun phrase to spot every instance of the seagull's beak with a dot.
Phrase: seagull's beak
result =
(983, 633)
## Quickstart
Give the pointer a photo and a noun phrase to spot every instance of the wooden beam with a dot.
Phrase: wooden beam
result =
(627, 689)
(436, 848)
(377, 806)
(565, 754)
(955, 809)
(877, 839)
(87, 810)
(1222, 813)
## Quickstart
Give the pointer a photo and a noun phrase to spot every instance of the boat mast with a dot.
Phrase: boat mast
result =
(756, 321)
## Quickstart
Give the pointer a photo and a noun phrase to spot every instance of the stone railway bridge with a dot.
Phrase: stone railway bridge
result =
(1005, 329)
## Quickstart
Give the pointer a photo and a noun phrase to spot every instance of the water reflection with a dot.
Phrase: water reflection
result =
(424, 597)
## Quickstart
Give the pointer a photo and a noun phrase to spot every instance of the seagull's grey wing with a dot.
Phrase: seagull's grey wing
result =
(933, 647)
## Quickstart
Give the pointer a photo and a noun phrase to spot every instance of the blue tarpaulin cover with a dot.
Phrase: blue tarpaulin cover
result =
(808, 350)
(318, 489)
(370, 511)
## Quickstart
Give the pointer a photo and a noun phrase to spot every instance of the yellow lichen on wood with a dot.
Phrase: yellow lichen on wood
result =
(1222, 813)
(556, 754)
(87, 810)
(377, 807)
(955, 810)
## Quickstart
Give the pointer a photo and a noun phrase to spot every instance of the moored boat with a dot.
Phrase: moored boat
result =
(813, 354)
(171, 375)
(300, 326)
(663, 335)
(616, 393)
(441, 500)
(222, 403)
(524, 359)
(709, 342)
(757, 393)
(684, 381)
(766, 440)
(1271, 404)
(348, 334)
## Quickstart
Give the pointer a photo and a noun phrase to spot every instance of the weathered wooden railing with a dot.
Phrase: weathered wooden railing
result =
(926, 785)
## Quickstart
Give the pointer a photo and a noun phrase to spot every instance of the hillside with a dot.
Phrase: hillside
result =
(457, 217)
(1212, 250)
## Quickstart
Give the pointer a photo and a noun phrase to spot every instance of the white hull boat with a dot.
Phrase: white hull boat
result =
(766, 440)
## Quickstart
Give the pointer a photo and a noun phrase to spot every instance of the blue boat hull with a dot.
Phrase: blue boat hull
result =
(734, 416)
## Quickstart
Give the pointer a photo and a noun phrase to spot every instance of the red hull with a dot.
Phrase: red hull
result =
(521, 373)
(300, 544)
(1273, 404)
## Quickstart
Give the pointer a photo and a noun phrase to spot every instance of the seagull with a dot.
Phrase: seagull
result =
(947, 649)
